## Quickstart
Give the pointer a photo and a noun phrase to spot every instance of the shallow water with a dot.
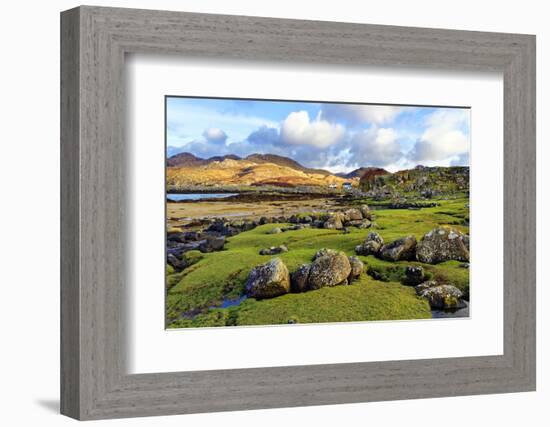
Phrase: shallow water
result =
(446, 314)
(176, 197)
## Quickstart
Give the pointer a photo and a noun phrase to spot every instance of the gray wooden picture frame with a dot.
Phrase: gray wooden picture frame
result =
(94, 41)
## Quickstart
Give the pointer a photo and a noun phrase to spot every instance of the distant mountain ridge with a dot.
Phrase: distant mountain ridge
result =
(187, 170)
(186, 159)
(358, 173)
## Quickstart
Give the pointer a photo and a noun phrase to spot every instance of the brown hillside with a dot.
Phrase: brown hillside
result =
(245, 172)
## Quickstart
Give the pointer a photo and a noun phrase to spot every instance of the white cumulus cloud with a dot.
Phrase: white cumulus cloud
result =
(376, 147)
(215, 135)
(298, 129)
(444, 141)
(355, 114)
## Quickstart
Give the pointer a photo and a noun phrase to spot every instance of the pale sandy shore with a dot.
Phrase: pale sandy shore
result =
(180, 214)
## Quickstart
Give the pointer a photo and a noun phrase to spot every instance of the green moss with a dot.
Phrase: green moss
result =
(218, 276)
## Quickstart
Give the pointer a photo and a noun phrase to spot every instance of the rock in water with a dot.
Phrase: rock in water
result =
(440, 296)
(329, 270)
(443, 244)
(268, 280)
(399, 250)
(413, 276)
(357, 267)
(371, 245)
(298, 279)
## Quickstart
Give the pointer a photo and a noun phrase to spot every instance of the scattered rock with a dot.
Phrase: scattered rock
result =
(275, 230)
(365, 211)
(298, 279)
(413, 276)
(371, 245)
(357, 267)
(464, 265)
(212, 243)
(306, 219)
(335, 221)
(399, 250)
(264, 220)
(443, 244)
(178, 264)
(354, 214)
(268, 280)
(274, 250)
(329, 270)
(440, 296)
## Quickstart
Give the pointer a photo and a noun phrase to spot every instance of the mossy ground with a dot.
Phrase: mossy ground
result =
(194, 294)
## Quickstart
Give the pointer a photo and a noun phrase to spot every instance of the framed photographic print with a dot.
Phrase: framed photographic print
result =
(303, 212)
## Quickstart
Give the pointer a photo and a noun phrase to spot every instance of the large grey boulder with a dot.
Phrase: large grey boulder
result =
(440, 296)
(324, 252)
(399, 250)
(329, 270)
(298, 279)
(268, 280)
(371, 245)
(443, 244)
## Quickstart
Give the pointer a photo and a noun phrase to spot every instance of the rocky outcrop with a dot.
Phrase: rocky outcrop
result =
(443, 244)
(440, 296)
(268, 280)
(274, 250)
(371, 245)
(403, 249)
(329, 270)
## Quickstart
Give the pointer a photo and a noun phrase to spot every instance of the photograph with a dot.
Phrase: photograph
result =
(294, 212)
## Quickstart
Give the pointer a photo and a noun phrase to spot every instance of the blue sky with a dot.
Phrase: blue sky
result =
(335, 137)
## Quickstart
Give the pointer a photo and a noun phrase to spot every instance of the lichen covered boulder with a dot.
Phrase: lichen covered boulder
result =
(357, 267)
(443, 244)
(329, 270)
(354, 214)
(268, 280)
(440, 296)
(335, 221)
(324, 252)
(365, 211)
(403, 249)
(298, 279)
(371, 245)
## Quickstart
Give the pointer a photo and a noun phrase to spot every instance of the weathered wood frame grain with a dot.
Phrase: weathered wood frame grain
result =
(94, 41)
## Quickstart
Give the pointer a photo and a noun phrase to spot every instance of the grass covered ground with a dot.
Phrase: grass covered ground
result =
(218, 277)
